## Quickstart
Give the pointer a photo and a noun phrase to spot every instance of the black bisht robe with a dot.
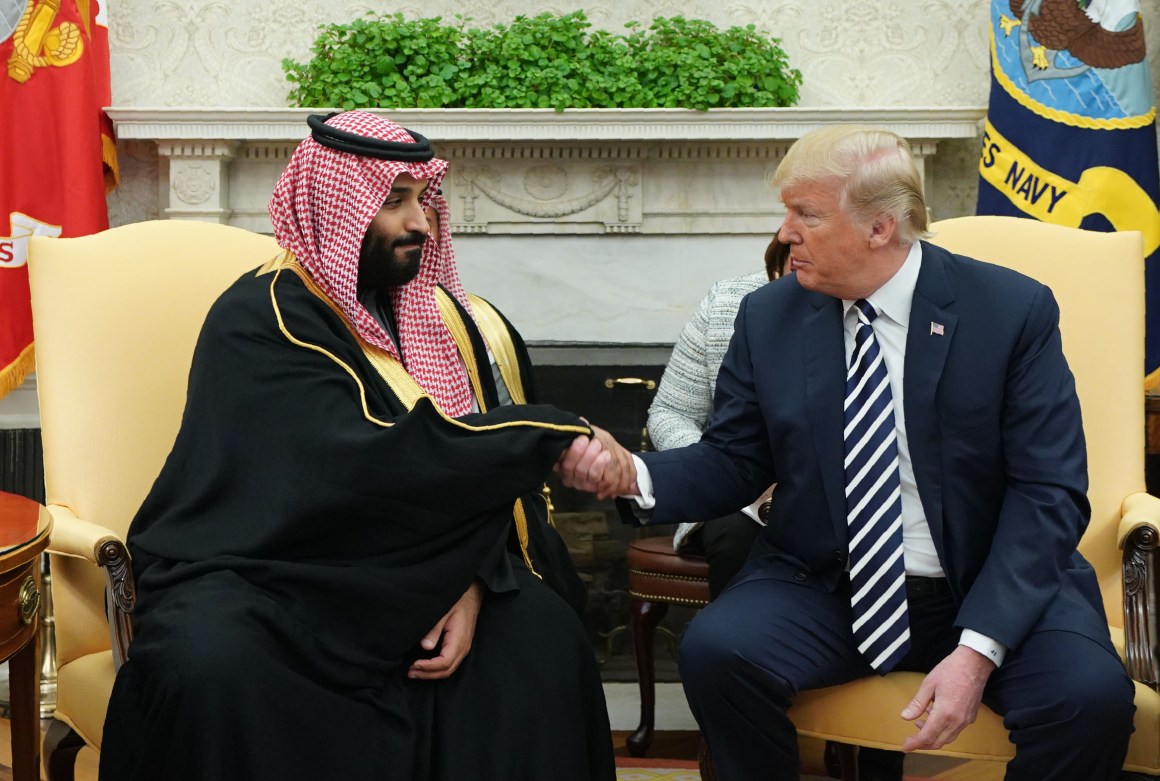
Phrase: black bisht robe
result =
(304, 534)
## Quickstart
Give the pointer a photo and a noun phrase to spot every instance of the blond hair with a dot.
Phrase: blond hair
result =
(875, 168)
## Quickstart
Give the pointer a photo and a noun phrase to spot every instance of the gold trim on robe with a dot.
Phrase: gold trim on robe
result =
(458, 330)
(495, 333)
(392, 372)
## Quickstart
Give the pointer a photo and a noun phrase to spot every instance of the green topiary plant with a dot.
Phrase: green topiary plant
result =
(381, 61)
(545, 61)
(690, 63)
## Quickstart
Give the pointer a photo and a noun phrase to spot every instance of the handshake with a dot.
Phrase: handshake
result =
(599, 465)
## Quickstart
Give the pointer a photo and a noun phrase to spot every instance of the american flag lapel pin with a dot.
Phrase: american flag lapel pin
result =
(936, 329)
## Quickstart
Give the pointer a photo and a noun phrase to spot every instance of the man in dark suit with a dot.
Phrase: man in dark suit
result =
(916, 411)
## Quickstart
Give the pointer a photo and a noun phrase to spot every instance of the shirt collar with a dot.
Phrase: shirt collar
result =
(894, 298)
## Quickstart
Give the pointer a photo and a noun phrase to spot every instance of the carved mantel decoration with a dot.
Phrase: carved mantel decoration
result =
(531, 171)
(595, 227)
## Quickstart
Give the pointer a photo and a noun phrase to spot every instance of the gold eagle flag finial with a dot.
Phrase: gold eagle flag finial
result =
(37, 44)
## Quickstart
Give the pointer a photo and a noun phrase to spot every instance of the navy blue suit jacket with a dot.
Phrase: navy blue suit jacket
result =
(994, 430)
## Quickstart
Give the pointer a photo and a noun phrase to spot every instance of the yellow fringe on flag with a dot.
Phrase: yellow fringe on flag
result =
(112, 167)
(12, 376)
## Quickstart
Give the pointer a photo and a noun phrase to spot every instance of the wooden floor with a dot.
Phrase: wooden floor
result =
(670, 745)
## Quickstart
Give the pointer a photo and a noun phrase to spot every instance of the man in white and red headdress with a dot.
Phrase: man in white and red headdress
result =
(345, 568)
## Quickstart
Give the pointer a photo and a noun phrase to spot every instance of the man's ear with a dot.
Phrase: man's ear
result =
(883, 231)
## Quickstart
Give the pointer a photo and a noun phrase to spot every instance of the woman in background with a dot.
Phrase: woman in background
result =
(681, 407)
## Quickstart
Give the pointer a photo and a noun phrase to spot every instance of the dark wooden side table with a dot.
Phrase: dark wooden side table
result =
(24, 529)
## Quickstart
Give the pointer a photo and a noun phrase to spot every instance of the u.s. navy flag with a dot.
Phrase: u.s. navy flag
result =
(57, 156)
(1070, 136)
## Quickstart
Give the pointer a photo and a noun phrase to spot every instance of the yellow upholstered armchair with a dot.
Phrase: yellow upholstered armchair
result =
(116, 317)
(1098, 279)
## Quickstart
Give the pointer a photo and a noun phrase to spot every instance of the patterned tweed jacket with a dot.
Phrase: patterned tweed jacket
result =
(684, 397)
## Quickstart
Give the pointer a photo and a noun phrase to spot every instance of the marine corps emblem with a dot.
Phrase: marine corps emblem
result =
(38, 40)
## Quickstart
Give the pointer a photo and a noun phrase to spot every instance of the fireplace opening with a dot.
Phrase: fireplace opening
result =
(616, 397)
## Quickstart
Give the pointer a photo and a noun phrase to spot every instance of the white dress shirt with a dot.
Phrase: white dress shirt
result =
(892, 302)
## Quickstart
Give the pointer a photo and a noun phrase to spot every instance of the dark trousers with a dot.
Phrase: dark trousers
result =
(725, 543)
(1066, 699)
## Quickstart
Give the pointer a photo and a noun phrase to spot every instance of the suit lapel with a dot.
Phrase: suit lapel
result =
(825, 396)
(929, 337)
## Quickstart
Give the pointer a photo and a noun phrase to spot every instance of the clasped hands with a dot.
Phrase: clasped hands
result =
(599, 465)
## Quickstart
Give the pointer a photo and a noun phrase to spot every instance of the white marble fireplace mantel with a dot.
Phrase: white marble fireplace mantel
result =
(589, 226)
(651, 124)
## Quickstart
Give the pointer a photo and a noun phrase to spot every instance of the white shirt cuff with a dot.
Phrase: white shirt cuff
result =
(646, 500)
(992, 649)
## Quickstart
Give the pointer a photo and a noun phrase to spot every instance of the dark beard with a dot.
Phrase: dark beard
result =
(382, 266)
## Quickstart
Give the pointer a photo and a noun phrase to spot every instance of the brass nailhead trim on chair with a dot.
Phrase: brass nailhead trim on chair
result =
(664, 576)
(674, 600)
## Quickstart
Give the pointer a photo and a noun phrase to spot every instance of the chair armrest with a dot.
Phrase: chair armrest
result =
(1139, 511)
(1138, 538)
(78, 538)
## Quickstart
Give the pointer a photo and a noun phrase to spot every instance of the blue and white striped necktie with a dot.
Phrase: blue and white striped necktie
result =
(874, 503)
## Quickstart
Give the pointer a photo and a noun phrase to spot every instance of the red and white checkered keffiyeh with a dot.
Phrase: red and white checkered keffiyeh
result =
(439, 255)
(321, 208)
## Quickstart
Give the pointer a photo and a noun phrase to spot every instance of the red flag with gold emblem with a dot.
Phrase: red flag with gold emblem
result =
(57, 156)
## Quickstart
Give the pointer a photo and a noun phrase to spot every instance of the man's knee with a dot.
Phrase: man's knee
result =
(714, 659)
(701, 651)
(709, 652)
(199, 665)
(1095, 699)
(1102, 698)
